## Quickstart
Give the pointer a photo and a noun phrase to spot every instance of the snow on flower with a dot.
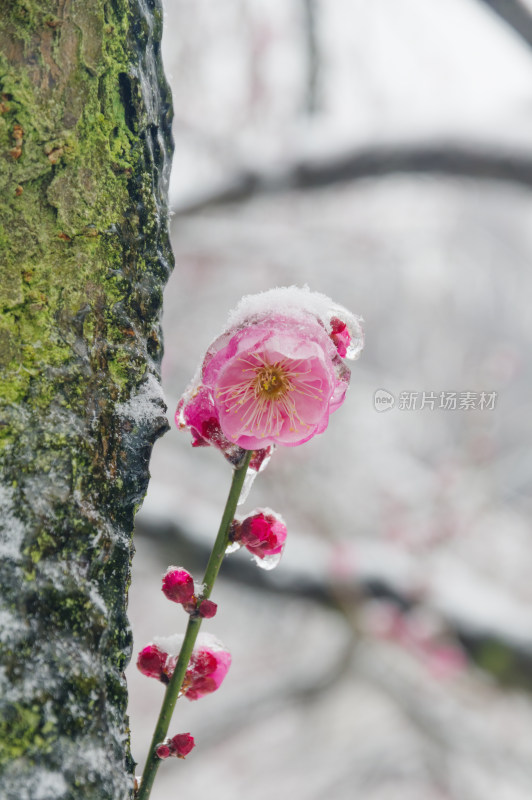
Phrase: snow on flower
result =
(178, 585)
(163, 750)
(179, 745)
(206, 670)
(340, 336)
(182, 744)
(274, 375)
(151, 661)
(263, 534)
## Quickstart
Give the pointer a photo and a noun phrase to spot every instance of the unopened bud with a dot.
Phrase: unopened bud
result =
(340, 336)
(263, 533)
(178, 585)
(182, 744)
(151, 661)
(207, 609)
(163, 751)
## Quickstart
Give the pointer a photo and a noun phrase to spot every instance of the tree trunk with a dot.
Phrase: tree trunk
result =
(84, 159)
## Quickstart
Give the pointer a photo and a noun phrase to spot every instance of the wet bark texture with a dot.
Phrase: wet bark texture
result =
(84, 158)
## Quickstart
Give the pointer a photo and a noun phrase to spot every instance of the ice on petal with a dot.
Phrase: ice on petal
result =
(354, 326)
(252, 474)
(246, 486)
(261, 458)
(232, 547)
(268, 562)
(357, 337)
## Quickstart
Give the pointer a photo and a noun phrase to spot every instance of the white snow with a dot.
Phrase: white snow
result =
(298, 302)
(40, 784)
(12, 628)
(146, 405)
(173, 644)
(12, 530)
(51, 785)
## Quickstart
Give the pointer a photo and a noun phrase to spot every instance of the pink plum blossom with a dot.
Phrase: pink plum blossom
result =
(442, 656)
(179, 745)
(207, 609)
(163, 751)
(151, 661)
(197, 412)
(262, 532)
(340, 336)
(178, 585)
(206, 670)
(182, 744)
(275, 374)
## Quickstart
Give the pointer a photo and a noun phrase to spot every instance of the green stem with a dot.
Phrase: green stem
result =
(194, 624)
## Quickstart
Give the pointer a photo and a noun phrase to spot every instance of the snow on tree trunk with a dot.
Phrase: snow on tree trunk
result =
(84, 158)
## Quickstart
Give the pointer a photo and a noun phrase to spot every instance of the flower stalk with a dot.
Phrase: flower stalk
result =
(176, 682)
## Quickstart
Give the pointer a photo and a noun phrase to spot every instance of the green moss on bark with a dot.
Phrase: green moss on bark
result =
(84, 154)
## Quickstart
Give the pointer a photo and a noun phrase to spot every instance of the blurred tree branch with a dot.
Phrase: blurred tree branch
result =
(312, 51)
(516, 14)
(495, 650)
(466, 160)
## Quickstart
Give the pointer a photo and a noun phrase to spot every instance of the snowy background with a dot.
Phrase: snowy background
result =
(389, 656)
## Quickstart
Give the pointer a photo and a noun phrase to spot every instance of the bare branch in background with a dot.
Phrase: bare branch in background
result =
(493, 648)
(312, 55)
(516, 14)
(465, 160)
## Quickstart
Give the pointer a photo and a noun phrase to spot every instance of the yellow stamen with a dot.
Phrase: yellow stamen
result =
(268, 391)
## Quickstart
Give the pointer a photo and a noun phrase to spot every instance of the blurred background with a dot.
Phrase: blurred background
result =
(379, 151)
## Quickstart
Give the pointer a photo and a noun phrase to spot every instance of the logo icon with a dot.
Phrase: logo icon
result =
(383, 400)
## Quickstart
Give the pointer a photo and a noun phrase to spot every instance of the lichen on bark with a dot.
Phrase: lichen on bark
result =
(84, 159)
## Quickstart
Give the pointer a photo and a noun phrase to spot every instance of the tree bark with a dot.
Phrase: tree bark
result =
(84, 159)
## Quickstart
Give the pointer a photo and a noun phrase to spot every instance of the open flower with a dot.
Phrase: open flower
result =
(275, 374)
(206, 670)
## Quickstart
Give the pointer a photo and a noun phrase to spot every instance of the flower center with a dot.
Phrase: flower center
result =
(271, 380)
(269, 394)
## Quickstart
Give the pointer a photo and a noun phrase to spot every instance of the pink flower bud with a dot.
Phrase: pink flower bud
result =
(340, 336)
(207, 668)
(207, 609)
(182, 744)
(196, 411)
(203, 662)
(178, 585)
(263, 533)
(151, 662)
(163, 751)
